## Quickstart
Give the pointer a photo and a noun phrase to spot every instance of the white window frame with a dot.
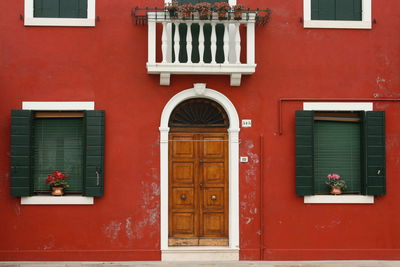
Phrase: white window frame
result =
(90, 21)
(59, 200)
(365, 23)
(338, 106)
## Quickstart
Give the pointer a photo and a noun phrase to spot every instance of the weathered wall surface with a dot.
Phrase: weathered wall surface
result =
(106, 64)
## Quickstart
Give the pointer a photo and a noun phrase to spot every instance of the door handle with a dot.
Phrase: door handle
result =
(201, 185)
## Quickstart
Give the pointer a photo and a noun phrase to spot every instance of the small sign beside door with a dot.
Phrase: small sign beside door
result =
(246, 123)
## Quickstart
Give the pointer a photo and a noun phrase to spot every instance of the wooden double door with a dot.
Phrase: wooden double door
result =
(198, 187)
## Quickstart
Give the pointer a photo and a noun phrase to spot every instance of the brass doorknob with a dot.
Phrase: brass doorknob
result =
(183, 197)
(213, 197)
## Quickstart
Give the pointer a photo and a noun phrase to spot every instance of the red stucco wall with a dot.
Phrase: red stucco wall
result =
(106, 64)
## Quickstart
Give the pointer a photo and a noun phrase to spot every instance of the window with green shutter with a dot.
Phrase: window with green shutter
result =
(70, 142)
(351, 144)
(60, 8)
(336, 10)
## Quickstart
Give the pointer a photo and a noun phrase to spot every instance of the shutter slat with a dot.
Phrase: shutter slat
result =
(374, 127)
(94, 158)
(46, 8)
(73, 8)
(348, 9)
(315, 9)
(304, 153)
(21, 127)
(326, 9)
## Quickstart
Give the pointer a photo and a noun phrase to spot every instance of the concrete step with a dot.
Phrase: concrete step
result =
(208, 264)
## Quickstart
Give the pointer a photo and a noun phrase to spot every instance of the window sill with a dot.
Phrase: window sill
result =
(339, 199)
(53, 200)
(337, 24)
(60, 22)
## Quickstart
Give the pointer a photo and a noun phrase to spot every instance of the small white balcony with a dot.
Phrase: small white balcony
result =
(202, 47)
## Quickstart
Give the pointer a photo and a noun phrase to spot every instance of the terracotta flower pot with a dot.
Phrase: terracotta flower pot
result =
(335, 190)
(57, 191)
(237, 15)
(222, 15)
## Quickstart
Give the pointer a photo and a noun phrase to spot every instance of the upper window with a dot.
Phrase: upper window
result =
(60, 12)
(351, 14)
(348, 143)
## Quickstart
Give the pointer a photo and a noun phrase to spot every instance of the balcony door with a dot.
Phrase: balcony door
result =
(198, 175)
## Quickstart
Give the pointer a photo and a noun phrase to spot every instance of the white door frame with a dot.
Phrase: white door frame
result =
(200, 91)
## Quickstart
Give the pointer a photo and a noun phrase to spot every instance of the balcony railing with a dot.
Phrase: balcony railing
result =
(194, 46)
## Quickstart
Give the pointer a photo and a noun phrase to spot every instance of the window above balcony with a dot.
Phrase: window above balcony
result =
(205, 45)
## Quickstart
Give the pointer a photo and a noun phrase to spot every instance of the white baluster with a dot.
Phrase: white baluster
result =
(201, 43)
(250, 43)
(213, 43)
(176, 42)
(151, 39)
(164, 43)
(226, 43)
(237, 43)
(189, 42)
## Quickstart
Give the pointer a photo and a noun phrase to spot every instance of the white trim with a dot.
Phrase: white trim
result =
(58, 105)
(200, 90)
(338, 106)
(339, 199)
(200, 254)
(365, 23)
(57, 200)
(90, 21)
(52, 200)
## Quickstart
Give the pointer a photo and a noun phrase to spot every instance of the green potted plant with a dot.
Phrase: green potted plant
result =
(186, 10)
(222, 8)
(204, 10)
(336, 183)
(57, 181)
(237, 11)
(172, 9)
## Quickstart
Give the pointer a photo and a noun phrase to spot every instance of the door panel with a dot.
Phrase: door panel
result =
(183, 172)
(198, 186)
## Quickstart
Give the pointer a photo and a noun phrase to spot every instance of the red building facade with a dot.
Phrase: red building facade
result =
(302, 63)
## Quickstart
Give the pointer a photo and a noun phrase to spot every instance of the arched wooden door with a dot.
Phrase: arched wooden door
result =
(198, 174)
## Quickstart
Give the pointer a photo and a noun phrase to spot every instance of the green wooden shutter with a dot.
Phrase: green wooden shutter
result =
(73, 8)
(336, 9)
(348, 10)
(21, 160)
(94, 156)
(374, 139)
(46, 8)
(60, 8)
(304, 153)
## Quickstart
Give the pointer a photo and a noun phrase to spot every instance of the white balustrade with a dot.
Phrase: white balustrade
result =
(193, 43)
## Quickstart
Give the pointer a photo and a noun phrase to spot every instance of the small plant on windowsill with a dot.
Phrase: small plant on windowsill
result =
(57, 181)
(336, 183)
